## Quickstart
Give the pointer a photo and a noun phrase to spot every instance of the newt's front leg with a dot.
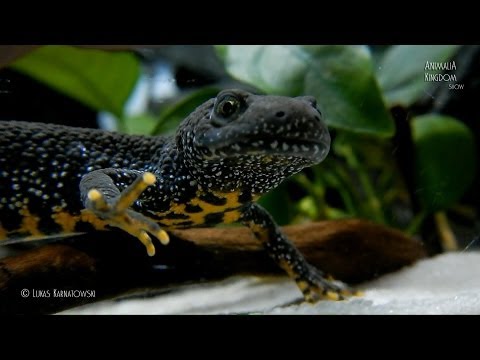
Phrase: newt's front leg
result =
(311, 281)
(101, 195)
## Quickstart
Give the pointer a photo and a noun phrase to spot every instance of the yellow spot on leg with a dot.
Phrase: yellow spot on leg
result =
(302, 285)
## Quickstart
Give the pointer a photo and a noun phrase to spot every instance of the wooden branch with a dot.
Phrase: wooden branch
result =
(351, 250)
(112, 263)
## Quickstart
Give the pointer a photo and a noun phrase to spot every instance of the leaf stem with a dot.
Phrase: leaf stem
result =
(373, 202)
(447, 237)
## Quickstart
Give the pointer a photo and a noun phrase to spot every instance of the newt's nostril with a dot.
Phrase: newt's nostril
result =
(280, 114)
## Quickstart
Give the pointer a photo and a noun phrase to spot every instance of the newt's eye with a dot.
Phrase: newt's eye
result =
(228, 106)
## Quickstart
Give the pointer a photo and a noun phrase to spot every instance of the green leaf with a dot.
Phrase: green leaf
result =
(141, 124)
(444, 160)
(340, 77)
(173, 114)
(401, 72)
(101, 80)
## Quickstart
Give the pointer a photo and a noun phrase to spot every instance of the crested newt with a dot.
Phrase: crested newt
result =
(58, 180)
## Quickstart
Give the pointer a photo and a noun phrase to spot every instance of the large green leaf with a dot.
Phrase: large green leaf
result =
(444, 160)
(340, 77)
(99, 79)
(401, 72)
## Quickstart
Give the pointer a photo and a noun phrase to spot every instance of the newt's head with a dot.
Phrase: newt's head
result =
(240, 140)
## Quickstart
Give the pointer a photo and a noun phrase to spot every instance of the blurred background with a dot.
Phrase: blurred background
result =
(403, 119)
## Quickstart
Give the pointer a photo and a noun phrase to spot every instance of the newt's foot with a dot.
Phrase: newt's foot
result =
(316, 287)
(119, 215)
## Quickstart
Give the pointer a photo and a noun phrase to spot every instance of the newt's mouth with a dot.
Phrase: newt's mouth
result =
(302, 137)
(312, 150)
